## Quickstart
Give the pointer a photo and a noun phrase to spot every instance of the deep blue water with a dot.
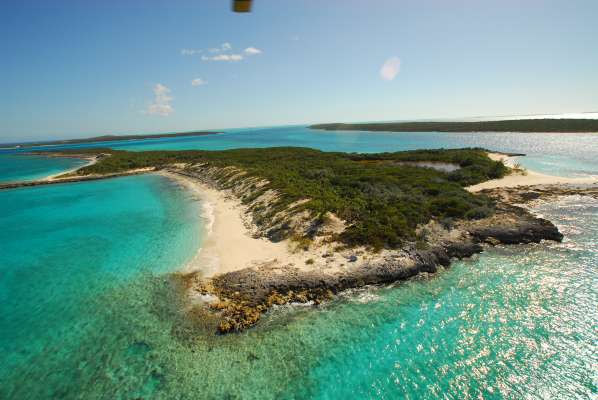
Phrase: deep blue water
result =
(89, 309)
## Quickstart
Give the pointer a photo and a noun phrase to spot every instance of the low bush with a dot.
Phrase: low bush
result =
(381, 199)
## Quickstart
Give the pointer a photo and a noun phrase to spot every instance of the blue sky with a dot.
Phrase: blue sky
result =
(79, 68)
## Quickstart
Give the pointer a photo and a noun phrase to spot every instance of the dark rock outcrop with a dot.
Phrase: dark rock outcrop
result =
(247, 293)
(512, 226)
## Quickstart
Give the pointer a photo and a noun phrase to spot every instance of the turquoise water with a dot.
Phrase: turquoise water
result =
(19, 168)
(89, 309)
(556, 154)
(515, 322)
(67, 253)
(572, 154)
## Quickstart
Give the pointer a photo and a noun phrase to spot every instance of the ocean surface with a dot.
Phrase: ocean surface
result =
(69, 255)
(90, 309)
(15, 167)
(571, 155)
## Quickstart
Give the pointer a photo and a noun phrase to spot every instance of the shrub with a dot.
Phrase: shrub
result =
(381, 199)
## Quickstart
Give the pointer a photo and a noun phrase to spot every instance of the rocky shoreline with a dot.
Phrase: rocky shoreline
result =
(239, 298)
(529, 193)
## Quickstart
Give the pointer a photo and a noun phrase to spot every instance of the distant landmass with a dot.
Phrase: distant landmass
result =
(108, 138)
(519, 125)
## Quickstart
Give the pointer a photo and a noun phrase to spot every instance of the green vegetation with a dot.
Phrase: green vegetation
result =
(381, 198)
(110, 138)
(521, 125)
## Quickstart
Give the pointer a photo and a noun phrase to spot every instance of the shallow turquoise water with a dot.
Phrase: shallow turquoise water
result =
(572, 154)
(89, 309)
(65, 250)
(515, 322)
(19, 168)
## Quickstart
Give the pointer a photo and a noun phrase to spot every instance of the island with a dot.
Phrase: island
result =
(516, 125)
(301, 225)
(105, 138)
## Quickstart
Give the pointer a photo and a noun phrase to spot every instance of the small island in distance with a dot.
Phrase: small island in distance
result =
(107, 138)
(560, 125)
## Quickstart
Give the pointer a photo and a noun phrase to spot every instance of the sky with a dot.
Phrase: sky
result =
(84, 68)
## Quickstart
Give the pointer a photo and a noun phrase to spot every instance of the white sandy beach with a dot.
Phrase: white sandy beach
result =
(91, 161)
(228, 244)
(530, 178)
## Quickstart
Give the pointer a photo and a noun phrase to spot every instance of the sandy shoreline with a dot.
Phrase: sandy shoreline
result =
(91, 161)
(228, 244)
(529, 178)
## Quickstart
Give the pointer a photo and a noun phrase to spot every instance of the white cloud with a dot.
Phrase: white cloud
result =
(161, 103)
(390, 68)
(224, 47)
(189, 52)
(198, 82)
(229, 57)
(223, 57)
(223, 53)
(251, 51)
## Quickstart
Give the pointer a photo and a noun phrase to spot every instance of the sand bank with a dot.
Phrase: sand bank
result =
(526, 177)
(90, 161)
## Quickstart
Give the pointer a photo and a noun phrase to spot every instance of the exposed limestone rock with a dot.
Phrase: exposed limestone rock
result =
(246, 294)
(526, 194)
(512, 225)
